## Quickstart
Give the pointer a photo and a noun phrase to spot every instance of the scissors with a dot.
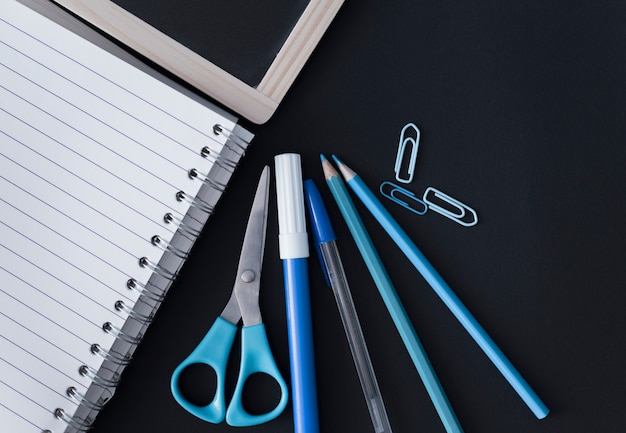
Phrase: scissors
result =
(215, 347)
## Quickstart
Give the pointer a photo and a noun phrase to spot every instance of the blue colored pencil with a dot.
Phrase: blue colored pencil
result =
(391, 299)
(444, 291)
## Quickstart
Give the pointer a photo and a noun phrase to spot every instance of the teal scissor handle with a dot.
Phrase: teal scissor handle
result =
(213, 350)
(256, 357)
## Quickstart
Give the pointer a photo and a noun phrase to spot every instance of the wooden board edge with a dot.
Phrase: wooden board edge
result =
(245, 100)
(298, 47)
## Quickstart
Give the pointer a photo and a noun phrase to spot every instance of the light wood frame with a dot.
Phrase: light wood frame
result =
(256, 104)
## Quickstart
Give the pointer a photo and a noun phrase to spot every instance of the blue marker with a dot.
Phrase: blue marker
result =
(294, 251)
(444, 291)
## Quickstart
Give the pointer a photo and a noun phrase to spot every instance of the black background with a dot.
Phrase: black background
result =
(522, 111)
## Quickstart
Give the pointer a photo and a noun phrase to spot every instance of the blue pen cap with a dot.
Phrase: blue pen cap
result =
(320, 223)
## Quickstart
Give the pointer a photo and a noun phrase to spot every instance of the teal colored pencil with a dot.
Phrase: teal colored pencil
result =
(391, 299)
(444, 291)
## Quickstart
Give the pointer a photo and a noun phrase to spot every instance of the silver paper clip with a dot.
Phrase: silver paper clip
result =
(410, 135)
(457, 211)
(398, 190)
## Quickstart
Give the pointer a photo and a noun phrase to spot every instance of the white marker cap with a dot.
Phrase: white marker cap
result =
(293, 241)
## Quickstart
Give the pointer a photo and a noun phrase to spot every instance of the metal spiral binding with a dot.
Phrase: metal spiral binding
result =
(218, 186)
(145, 262)
(233, 137)
(117, 332)
(169, 218)
(113, 357)
(92, 375)
(194, 202)
(142, 318)
(219, 159)
(76, 425)
(73, 393)
(167, 246)
(135, 285)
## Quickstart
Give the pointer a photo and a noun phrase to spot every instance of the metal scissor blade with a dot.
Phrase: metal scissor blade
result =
(251, 260)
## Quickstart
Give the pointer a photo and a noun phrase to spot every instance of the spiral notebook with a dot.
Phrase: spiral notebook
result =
(107, 176)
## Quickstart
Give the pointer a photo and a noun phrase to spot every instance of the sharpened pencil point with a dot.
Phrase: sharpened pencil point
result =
(346, 171)
(329, 170)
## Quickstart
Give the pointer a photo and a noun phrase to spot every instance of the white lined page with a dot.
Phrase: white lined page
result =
(18, 376)
(38, 346)
(92, 154)
(83, 102)
(45, 372)
(77, 233)
(68, 280)
(45, 244)
(50, 199)
(105, 169)
(14, 421)
(20, 404)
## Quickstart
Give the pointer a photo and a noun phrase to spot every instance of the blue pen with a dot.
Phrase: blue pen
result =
(294, 251)
(391, 299)
(326, 245)
(444, 292)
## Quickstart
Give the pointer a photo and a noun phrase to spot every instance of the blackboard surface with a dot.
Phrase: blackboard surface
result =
(523, 116)
(222, 52)
(240, 36)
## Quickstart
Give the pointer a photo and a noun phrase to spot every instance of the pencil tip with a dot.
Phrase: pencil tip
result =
(329, 170)
(346, 171)
(322, 157)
